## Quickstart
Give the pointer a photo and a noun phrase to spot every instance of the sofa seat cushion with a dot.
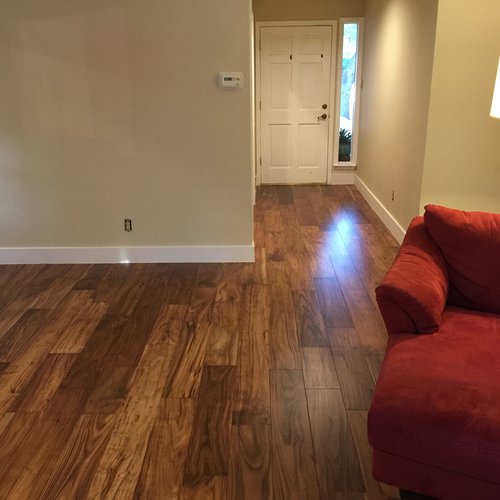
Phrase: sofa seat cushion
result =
(470, 244)
(437, 400)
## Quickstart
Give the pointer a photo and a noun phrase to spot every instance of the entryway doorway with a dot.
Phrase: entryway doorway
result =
(295, 97)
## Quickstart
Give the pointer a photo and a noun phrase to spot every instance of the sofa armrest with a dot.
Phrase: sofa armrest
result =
(413, 294)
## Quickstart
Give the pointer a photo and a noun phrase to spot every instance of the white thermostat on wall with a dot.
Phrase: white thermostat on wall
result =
(231, 80)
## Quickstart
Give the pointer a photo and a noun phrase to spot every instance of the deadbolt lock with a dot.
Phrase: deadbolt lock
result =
(324, 106)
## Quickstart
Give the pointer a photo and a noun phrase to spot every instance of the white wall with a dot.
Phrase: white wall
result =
(397, 70)
(462, 161)
(306, 10)
(110, 110)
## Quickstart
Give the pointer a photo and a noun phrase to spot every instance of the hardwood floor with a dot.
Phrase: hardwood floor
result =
(194, 381)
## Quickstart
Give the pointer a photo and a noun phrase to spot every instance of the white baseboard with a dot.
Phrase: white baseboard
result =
(116, 255)
(342, 178)
(387, 218)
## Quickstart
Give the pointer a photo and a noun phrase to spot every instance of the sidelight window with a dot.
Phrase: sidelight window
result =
(348, 91)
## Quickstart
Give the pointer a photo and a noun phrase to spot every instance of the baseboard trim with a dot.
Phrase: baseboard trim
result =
(387, 218)
(342, 178)
(116, 255)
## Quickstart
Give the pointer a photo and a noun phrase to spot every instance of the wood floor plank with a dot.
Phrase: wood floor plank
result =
(332, 303)
(209, 275)
(316, 247)
(79, 328)
(259, 237)
(70, 398)
(184, 377)
(120, 466)
(20, 440)
(374, 362)
(272, 221)
(222, 347)
(283, 338)
(45, 277)
(123, 354)
(275, 246)
(72, 474)
(105, 396)
(122, 286)
(92, 277)
(355, 379)
(319, 369)
(358, 423)
(214, 488)
(343, 340)
(181, 283)
(267, 197)
(311, 329)
(336, 458)
(365, 317)
(36, 396)
(251, 477)
(7, 272)
(22, 369)
(299, 272)
(4, 421)
(18, 338)
(294, 243)
(209, 448)
(163, 468)
(17, 287)
(369, 326)
(285, 195)
(12, 312)
(231, 286)
(253, 378)
(306, 214)
(58, 289)
(292, 457)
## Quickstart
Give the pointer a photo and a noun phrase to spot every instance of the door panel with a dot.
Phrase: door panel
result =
(310, 45)
(281, 86)
(310, 75)
(280, 145)
(309, 142)
(295, 84)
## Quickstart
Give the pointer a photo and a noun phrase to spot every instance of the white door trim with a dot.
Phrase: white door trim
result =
(333, 79)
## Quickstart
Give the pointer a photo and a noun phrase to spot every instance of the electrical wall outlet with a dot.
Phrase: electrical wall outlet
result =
(127, 223)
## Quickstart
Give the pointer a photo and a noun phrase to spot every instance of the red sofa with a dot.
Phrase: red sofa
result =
(434, 423)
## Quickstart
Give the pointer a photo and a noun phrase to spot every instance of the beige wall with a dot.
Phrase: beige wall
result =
(110, 110)
(397, 70)
(306, 10)
(462, 161)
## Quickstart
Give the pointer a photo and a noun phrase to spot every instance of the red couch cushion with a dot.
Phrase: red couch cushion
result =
(437, 400)
(412, 295)
(470, 243)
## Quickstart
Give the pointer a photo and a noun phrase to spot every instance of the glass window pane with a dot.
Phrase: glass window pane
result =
(348, 90)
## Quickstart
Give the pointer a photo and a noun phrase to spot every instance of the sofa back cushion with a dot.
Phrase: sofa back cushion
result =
(470, 244)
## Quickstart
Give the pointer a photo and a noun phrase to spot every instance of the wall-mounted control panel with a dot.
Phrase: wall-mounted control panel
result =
(230, 80)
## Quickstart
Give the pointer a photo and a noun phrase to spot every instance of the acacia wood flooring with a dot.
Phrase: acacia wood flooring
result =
(194, 381)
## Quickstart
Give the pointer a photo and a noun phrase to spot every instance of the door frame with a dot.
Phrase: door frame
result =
(332, 100)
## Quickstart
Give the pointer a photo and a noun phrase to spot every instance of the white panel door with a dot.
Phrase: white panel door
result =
(295, 97)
